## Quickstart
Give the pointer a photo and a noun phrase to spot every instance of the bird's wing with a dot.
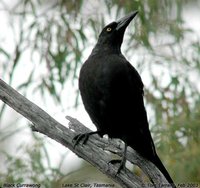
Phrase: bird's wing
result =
(121, 105)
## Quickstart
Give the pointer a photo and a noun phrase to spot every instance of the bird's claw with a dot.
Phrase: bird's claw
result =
(80, 137)
(121, 165)
(83, 137)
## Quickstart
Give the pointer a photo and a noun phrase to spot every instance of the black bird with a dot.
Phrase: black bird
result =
(112, 93)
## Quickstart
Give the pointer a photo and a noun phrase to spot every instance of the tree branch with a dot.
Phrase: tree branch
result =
(94, 151)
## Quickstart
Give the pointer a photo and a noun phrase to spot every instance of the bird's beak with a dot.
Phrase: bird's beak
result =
(124, 22)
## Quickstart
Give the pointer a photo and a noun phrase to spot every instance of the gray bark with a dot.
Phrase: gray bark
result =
(94, 151)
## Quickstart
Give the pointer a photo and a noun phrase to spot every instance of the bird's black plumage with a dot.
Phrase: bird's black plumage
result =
(112, 93)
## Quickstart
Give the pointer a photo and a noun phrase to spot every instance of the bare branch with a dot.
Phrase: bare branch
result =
(93, 151)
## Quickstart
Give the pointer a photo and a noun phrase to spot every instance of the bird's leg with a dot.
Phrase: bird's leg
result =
(83, 137)
(122, 161)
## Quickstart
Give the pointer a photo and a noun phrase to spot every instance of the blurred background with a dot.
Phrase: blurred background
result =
(43, 44)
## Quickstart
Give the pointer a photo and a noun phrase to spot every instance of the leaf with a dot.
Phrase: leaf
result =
(5, 53)
(28, 82)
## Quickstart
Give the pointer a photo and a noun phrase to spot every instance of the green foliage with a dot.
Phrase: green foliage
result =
(58, 36)
(34, 167)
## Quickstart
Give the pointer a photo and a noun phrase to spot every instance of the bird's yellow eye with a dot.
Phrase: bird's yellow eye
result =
(108, 29)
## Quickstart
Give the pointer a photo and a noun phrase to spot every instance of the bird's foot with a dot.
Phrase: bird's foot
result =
(79, 137)
(84, 137)
(121, 164)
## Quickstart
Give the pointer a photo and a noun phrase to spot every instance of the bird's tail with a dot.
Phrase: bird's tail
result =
(161, 167)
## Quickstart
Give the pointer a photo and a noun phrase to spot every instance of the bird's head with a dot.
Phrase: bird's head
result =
(111, 36)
